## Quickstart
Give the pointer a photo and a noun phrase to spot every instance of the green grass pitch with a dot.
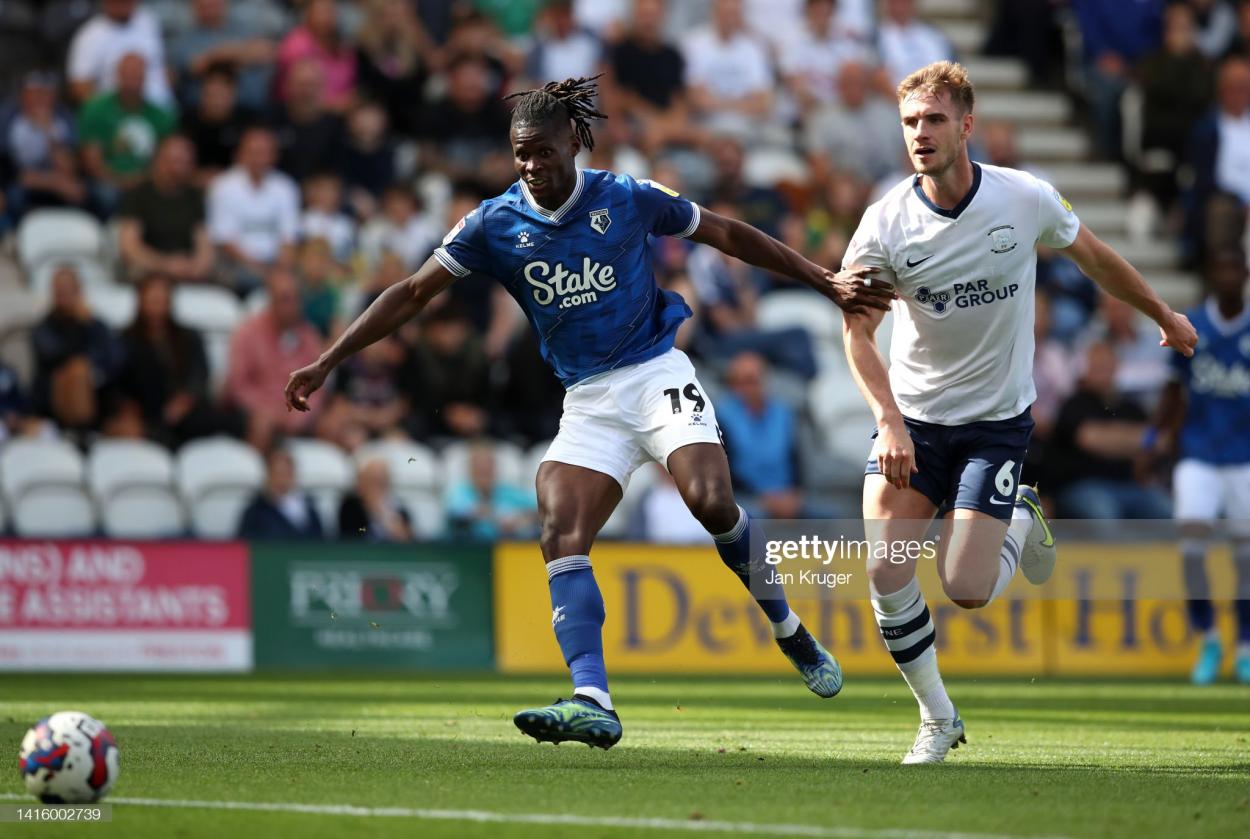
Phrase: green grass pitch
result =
(1062, 758)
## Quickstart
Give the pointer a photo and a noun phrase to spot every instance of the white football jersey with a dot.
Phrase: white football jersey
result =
(962, 344)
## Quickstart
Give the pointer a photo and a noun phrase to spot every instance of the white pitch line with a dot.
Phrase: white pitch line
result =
(557, 819)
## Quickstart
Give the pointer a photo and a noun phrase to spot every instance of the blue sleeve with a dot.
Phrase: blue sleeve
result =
(663, 211)
(464, 249)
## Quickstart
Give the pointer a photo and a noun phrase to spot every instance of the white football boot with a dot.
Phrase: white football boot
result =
(935, 739)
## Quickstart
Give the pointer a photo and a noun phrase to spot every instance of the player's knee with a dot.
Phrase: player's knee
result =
(561, 535)
(712, 504)
(970, 602)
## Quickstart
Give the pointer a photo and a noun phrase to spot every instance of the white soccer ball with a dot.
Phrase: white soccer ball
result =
(69, 758)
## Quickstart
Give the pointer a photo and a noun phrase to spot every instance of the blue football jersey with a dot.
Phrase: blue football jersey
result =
(1217, 382)
(582, 273)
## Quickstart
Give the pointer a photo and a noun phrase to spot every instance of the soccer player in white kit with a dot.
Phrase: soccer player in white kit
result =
(956, 240)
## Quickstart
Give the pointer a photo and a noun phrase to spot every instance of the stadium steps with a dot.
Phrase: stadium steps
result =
(1089, 180)
(1045, 143)
(1025, 107)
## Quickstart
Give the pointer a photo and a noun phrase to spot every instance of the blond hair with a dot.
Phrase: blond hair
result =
(937, 77)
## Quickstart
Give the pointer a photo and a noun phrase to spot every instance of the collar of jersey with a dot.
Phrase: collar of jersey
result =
(963, 203)
(555, 215)
(1226, 327)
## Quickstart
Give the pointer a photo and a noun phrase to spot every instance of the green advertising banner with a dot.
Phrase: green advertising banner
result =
(402, 607)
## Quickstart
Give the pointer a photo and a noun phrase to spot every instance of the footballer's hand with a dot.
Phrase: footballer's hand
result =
(1178, 333)
(303, 383)
(856, 289)
(895, 454)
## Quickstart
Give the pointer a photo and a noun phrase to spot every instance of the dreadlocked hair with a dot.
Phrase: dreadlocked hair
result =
(571, 99)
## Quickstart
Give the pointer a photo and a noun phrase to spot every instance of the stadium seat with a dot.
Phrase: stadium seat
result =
(324, 472)
(45, 512)
(206, 308)
(113, 304)
(412, 465)
(142, 512)
(509, 464)
(114, 465)
(533, 459)
(217, 477)
(425, 509)
(27, 465)
(772, 165)
(91, 272)
(805, 309)
(833, 393)
(51, 234)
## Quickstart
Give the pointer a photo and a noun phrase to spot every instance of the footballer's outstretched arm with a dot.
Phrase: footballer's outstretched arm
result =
(1118, 278)
(895, 454)
(394, 307)
(853, 291)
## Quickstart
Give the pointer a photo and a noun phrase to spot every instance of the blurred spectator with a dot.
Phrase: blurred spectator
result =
(476, 36)
(1028, 29)
(758, 206)
(264, 349)
(388, 270)
(323, 217)
(393, 59)
(646, 94)
(728, 72)
(812, 60)
(664, 517)
(164, 381)
(217, 124)
(1141, 368)
(761, 439)
(530, 396)
(779, 20)
(36, 150)
(1216, 24)
(1098, 434)
(120, 28)
(317, 39)
(562, 50)
(400, 228)
(1220, 160)
(161, 220)
(727, 299)
(319, 284)
(466, 132)
(15, 419)
(280, 510)
(515, 18)
(253, 213)
(370, 396)
(370, 512)
(906, 42)
(367, 162)
(1073, 296)
(119, 132)
(606, 18)
(1177, 83)
(832, 222)
(1240, 45)
(1052, 369)
(858, 132)
(483, 508)
(310, 136)
(454, 375)
(77, 359)
(218, 38)
(1114, 37)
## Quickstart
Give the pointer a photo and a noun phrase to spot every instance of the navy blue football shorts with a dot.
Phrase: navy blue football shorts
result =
(972, 467)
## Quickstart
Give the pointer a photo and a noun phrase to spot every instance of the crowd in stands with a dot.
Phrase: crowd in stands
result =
(307, 154)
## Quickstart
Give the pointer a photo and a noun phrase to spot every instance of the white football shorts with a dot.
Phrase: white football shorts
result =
(616, 421)
(1201, 491)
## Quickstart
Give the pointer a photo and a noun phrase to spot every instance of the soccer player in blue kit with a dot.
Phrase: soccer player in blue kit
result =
(570, 245)
(1204, 420)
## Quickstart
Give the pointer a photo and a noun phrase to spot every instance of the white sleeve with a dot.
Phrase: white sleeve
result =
(1057, 223)
(866, 247)
(222, 224)
(760, 69)
(288, 221)
(82, 65)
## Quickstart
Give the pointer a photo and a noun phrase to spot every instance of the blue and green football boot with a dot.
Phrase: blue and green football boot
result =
(817, 666)
(578, 719)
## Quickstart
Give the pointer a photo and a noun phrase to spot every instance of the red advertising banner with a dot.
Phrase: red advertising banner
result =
(97, 605)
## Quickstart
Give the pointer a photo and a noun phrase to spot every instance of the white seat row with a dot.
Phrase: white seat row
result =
(137, 489)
